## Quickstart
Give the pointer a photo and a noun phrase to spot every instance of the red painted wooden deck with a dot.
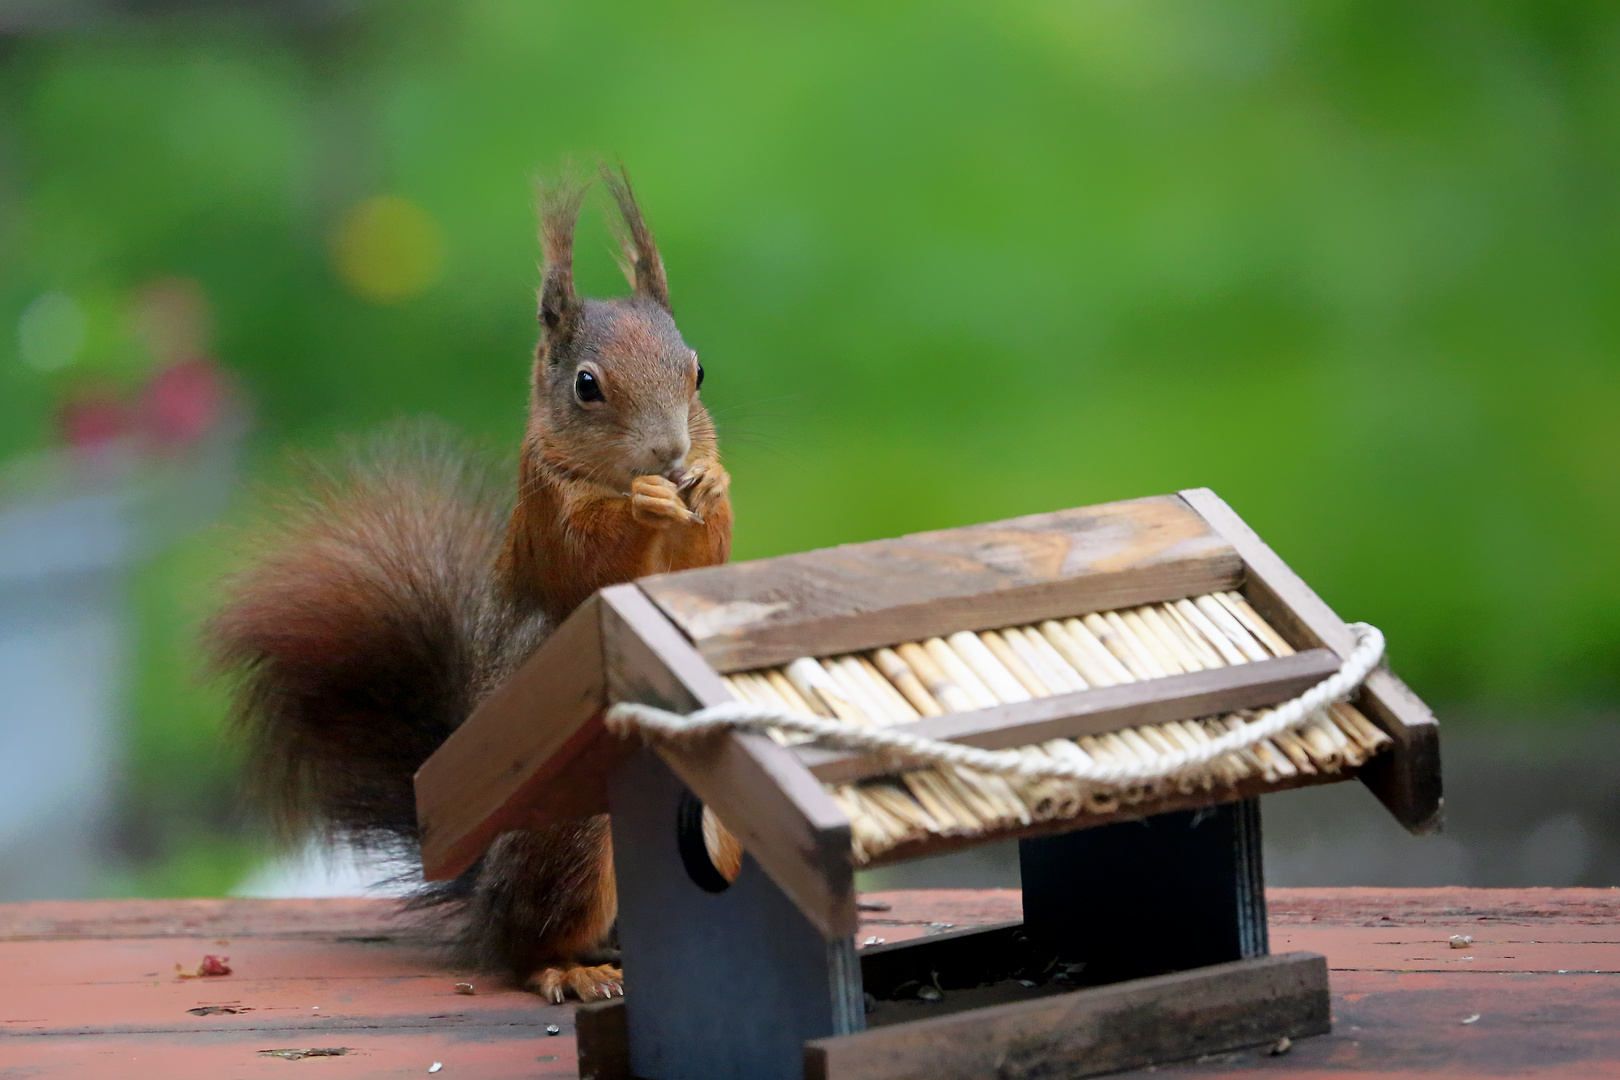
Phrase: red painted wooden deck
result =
(90, 988)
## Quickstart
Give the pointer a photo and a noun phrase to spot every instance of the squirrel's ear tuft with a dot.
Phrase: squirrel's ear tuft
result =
(642, 263)
(558, 201)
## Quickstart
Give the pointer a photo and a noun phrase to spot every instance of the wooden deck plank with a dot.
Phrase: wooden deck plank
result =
(335, 917)
(90, 987)
(1367, 906)
(1393, 1025)
(940, 908)
(116, 961)
(130, 985)
(229, 1055)
(1552, 949)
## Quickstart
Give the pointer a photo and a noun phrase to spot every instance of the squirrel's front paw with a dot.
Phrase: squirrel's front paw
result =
(705, 486)
(586, 983)
(656, 501)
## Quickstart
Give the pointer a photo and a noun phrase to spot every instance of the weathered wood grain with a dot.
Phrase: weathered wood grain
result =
(134, 920)
(503, 769)
(1091, 712)
(1407, 780)
(1595, 913)
(776, 809)
(604, 1041)
(92, 993)
(533, 752)
(859, 596)
(1104, 1029)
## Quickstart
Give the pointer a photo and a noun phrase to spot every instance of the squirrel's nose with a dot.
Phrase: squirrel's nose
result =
(664, 446)
(670, 456)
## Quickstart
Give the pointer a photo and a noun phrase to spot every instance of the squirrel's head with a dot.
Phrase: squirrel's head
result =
(614, 383)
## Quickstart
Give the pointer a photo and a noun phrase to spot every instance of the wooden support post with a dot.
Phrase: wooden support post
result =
(723, 985)
(1166, 893)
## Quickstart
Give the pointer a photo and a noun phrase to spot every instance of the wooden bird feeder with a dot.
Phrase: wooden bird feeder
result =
(1126, 629)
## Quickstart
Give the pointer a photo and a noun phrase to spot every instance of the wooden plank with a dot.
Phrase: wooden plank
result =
(73, 987)
(350, 974)
(886, 911)
(1408, 780)
(393, 1003)
(1596, 910)
(504, 769)
(1092, 712)
(1586, 950)
(604, 1041)
(501, 1053)
(776, 809)
(859, 596)
(648, 660)
(1460, 1026)
(1393, 1025)
(69, 920)
(1104, 1029)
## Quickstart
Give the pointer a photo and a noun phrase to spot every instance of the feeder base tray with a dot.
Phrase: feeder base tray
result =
(1123, 1025)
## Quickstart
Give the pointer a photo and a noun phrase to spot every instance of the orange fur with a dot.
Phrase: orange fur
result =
(387, 605)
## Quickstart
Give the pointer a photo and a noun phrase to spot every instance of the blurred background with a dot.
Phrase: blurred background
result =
(1354, 265)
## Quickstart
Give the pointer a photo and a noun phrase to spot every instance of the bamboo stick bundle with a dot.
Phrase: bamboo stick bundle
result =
(891, 811)
(969, 670)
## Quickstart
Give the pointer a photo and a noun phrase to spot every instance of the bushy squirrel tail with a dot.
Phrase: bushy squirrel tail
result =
(364, 631)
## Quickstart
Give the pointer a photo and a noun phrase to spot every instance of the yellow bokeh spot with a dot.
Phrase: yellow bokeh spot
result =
(387, 248)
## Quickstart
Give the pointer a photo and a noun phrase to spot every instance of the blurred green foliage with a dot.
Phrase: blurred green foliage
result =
(1354, 265)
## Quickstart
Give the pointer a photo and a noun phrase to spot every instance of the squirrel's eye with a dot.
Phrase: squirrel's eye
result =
(586, 387)
(700, 377)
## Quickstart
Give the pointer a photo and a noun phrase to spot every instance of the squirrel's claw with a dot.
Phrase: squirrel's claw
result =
(704, 486)
(655, 500)
(585, 983)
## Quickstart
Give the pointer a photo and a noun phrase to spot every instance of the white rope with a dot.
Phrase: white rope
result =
(1028, 762)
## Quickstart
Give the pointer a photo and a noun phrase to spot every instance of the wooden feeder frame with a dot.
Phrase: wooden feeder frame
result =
(1165, 902)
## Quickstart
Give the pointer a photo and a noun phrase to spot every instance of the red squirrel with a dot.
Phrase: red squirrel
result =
(390, 597)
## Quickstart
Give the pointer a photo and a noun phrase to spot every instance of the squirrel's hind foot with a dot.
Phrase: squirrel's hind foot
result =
(585, 983)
